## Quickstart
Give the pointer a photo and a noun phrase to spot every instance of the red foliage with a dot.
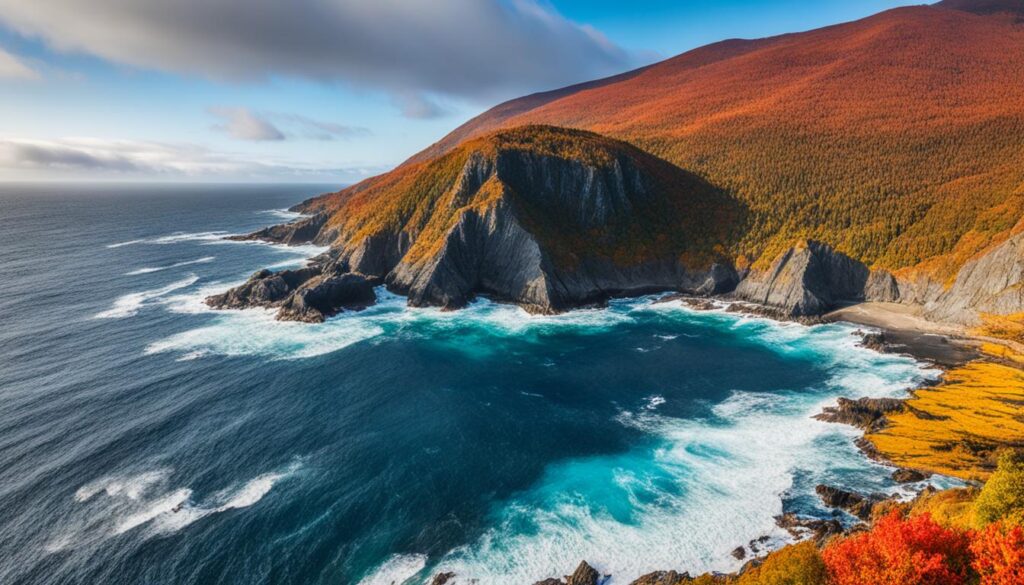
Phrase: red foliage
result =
(900, 551)
(999, 554)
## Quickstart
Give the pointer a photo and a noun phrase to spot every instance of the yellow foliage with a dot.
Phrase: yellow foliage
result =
(1002, 498)
(957, 427)
(798, 564)
(1009, 327)
(952, 508)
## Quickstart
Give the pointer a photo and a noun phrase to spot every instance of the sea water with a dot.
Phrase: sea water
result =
(145, 438)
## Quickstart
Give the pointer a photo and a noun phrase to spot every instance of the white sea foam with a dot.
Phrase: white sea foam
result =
(146, 503)
(175, 238)
(131, 487)
(148, 270)
(705, 487)
(283, 213)
(397, 570)
(129, 304)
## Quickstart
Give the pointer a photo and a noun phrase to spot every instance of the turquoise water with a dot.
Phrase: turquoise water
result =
(147, 438)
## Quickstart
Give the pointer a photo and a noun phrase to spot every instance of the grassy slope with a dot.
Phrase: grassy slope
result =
(898, 138)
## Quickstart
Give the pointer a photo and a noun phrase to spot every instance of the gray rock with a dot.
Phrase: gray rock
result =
(993, 283)
(316, 300)
(812, 278)
(301, 231)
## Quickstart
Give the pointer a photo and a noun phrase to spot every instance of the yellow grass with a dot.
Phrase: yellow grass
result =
(957, 428)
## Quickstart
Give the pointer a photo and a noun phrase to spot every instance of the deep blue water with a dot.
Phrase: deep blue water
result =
(146, 439)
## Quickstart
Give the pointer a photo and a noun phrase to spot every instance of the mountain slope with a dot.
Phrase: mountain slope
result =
(546, 217)
(898, 139)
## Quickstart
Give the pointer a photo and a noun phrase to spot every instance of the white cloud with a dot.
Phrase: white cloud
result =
(476, 49)
(100, 158)
(243, 124)
(12, 67)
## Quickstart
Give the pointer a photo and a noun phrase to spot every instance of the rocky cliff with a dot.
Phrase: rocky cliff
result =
(811, 278)
(545, 217)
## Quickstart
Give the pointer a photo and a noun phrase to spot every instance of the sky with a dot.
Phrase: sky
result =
(316, 90)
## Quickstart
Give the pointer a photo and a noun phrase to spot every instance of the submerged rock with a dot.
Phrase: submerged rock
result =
(442, 578)
(800, 527)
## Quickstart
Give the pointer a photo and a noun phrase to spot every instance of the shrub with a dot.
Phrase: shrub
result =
(798, 564)
(999, 554)
(900, 551)
(1002, 498)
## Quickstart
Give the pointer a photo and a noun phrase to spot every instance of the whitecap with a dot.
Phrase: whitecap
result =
(128, 305)
(397, 570)
(131, 487)
(149, 270)
(282, 213)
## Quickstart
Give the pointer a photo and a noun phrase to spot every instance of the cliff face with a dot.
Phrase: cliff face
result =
(547, 218)
(993, 284)
(811, 278)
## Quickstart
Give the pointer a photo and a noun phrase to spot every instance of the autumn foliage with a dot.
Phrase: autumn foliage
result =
(901, 551)
(999, 554)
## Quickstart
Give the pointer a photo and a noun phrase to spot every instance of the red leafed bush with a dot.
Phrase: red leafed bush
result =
(999, 554)
(900, 551)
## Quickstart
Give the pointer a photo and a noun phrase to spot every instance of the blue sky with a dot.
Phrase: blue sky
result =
(315, 90)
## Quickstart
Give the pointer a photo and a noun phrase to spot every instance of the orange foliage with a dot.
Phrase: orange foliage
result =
(895, 138)
(900, 551)
(999, 554)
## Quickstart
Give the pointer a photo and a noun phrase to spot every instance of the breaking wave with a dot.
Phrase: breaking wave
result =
(128, 305)
(148, 270)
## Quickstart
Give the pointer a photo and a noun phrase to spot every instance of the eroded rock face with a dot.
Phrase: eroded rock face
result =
(856, 504)
(583, 575)
(812, 278)
(310, 294)
(993, 283)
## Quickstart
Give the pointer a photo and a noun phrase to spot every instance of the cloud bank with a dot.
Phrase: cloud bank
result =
(474, 49)
(117, 159)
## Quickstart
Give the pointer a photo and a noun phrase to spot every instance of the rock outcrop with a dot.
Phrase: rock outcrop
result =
(993, 283)
(300, 231)
(583, 575)
(856, 504)
(310, 294)
(544, 217)
(864, 413)
(811, 278)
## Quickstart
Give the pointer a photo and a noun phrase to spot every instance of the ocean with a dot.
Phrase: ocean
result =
(145, 438)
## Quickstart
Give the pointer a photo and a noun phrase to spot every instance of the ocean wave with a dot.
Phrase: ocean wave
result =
(175, 238)
(148, 270)
(129, 305)
(147, 502)
(396, 570)
(283, 213)
(703, 487)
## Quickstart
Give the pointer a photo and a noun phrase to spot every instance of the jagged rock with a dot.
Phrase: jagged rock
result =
(908, 476)
(663, 578)
(315, 301)
(442, 578)
(798, 527)
(739, 553)
(993, 283)
(812, 278)
(864, 413)
(583, 575)
(311, 294)
(263, 289)
(856, 504)
(300, 231)
(548, 218)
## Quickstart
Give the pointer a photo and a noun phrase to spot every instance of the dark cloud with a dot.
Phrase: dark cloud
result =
(476, 49)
